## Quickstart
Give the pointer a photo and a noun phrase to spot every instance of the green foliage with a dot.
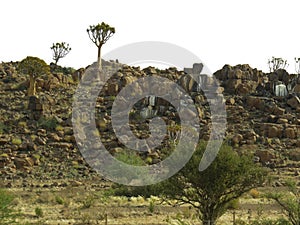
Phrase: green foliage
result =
(277, 63)
(59, 200)
(210, 191)
(33, 66)
(39, 212)
(289, 201)
(59, 69)
(47, 123)
(151, 206)
(60, 50)
(16, 141)
(100, 33)
(7, 214)
(88, 202)
(233, 204)
(130, 157)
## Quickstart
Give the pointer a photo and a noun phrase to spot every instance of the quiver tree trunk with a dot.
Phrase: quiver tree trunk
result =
(99, 58)
(31, 89)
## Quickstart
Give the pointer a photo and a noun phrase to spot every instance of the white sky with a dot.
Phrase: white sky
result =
(217, 31)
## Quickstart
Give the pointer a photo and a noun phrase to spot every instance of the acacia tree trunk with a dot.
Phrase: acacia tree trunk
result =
(208, 218)
(31, 89)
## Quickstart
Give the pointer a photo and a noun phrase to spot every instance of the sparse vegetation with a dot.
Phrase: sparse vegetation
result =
(7, 214)
(16, 141)
(48, 123)
(39, 212)
(289, 201)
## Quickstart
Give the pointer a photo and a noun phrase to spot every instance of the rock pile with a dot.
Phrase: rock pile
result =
(36, 134)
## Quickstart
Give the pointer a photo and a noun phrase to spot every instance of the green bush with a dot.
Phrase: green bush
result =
(39, 212)
(16, 141)
(47, 123)
(7, 214)
(59, 200)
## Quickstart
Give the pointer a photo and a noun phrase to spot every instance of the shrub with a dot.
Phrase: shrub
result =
(47, 123)
(59, 200)
(289, 201)
(7, 215)
(59, 128)
(151, 206)
(16, 141)
(39, 212)
(234, 204)
(88, 202)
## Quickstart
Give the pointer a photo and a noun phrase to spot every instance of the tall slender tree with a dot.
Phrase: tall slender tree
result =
(99, 34)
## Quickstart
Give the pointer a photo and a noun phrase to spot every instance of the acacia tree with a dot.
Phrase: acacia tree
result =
(99, 34)
(60, 50)
(34, 67)
(211, 191)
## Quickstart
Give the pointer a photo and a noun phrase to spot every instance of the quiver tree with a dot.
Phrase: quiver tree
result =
(297, 65)
(34, 67)
(60, 50)
(99, 34)
(277, 63)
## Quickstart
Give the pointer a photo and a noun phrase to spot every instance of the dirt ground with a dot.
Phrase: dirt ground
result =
(84, 202)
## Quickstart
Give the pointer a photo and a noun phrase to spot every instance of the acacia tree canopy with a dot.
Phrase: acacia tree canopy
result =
(210, 191)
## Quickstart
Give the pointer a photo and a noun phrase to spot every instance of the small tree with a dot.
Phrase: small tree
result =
(34, 67)
(99, 34)
(277, 63)
(60, 50)
(211, 191)
(289, 201)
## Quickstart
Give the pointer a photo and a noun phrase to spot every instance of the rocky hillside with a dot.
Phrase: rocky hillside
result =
(36, 135)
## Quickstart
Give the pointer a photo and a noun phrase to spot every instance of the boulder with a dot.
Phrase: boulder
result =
(237, 139)
(290, 133)
(294, 102)
(265, 156)
(23, 163)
